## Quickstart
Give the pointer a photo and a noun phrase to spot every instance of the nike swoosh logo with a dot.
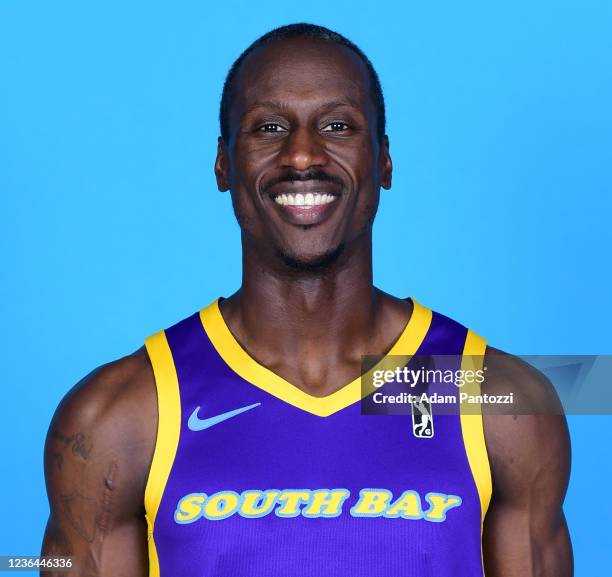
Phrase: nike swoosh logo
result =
(197, 424)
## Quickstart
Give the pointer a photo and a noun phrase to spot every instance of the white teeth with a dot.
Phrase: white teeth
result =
(309, 199)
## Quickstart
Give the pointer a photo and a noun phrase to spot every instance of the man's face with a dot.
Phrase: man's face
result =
(303, 162)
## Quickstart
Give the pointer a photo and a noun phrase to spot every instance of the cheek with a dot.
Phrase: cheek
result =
(244, 210)
(251, 157)
(245, 181)
(372, 207)
(366, 203)
(367, 209)
(358, 162)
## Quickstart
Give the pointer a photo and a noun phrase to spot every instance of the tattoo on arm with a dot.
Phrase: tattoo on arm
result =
(78, 443)
(86, 517)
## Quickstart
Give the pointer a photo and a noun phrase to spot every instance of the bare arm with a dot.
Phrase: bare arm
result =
(525, 533)
(97, 455)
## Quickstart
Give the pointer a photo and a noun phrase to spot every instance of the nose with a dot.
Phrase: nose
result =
(302, 149)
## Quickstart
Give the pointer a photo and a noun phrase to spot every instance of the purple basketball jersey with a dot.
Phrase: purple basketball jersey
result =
(252, 477)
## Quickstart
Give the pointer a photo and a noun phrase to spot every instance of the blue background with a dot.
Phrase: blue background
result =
(500, 123)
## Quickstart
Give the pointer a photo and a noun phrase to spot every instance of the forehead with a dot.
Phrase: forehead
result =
(300, 71)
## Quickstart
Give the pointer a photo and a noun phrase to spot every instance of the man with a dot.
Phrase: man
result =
(234, 444)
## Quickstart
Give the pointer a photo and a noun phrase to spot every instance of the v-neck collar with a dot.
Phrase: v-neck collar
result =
(260, 376)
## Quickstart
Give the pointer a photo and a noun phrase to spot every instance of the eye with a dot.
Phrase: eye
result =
(336, 127)
(271, 127)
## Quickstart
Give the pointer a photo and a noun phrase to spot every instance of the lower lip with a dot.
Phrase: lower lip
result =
(306, 215)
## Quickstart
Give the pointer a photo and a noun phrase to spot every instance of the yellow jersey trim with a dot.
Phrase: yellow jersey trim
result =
(168, 431)
(250, 370)
(472, 426)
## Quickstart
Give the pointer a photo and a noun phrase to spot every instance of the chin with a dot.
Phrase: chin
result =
(311, 263)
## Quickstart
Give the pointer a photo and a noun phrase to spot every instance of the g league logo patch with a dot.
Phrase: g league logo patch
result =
(422, 420)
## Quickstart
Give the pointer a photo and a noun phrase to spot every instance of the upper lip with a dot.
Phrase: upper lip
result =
(303, 187)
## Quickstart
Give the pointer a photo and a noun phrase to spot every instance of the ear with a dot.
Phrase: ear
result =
(385, 164)
(222, 166)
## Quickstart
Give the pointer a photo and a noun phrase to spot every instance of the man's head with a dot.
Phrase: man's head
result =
(302, 145)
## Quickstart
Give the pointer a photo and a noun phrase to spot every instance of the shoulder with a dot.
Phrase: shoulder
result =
(527, 441)
(120, 393)
(533, 394)
(106, 425)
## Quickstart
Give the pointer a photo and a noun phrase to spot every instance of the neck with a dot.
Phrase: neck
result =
(310, 326)
(278, 305)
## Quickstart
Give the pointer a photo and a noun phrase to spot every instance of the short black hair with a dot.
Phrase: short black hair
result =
(303, 30)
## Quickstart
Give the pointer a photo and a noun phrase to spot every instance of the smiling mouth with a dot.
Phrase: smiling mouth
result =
(310, 199)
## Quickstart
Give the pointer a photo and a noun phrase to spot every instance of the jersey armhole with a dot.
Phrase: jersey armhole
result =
(168, 431)
(472, 423)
